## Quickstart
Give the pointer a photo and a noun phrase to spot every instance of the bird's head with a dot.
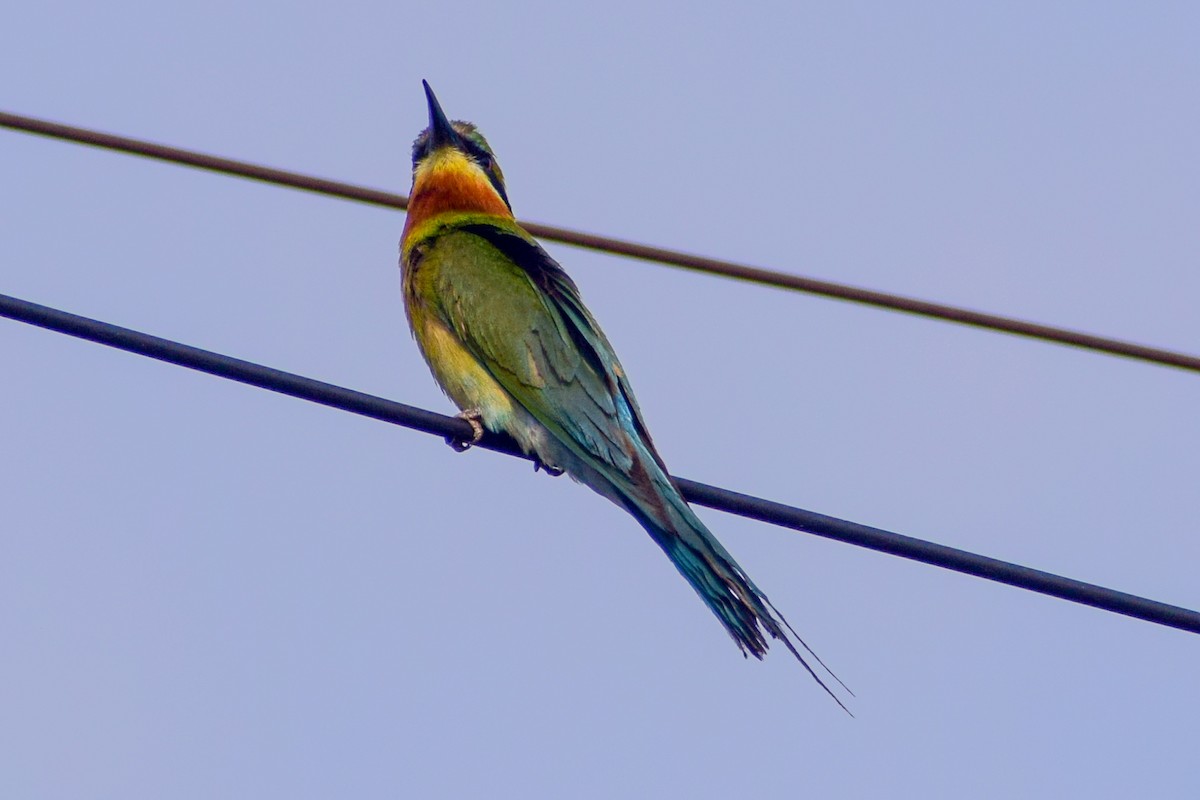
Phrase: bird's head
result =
(453, 170)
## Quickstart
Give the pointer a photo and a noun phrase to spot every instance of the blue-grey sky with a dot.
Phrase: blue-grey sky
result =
(208, 590)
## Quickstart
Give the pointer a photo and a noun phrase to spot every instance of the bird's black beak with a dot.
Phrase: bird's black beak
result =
(441, 132)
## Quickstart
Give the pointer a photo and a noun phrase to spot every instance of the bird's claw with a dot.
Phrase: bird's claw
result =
(549, 469)
(474, 418)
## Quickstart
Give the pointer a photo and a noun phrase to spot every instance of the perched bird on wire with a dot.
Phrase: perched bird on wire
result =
(508, 338)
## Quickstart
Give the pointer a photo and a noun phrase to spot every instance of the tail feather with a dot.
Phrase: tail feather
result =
(724, 587)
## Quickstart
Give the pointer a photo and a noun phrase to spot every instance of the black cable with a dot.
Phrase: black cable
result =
(607, 244)
(711, 496)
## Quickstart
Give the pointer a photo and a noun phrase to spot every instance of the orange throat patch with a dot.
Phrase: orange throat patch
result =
(452, 185)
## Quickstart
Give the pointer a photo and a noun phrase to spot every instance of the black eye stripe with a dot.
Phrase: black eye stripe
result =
(420, 147)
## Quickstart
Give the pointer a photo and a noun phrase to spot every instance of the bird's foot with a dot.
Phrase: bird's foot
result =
(549, 469)
(474, 418)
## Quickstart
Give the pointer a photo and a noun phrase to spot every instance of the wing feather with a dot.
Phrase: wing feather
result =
(520, 315)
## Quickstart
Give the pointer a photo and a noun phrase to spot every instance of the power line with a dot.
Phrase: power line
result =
(703, 494)
(607, 244)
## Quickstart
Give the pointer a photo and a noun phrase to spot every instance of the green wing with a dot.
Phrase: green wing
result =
(520, 315)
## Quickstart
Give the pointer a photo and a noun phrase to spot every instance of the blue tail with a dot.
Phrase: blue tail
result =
(742, 608)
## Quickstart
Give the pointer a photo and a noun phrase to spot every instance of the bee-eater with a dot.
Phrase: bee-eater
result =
(507, 337)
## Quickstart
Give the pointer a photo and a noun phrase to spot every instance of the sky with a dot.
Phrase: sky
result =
(208, 590)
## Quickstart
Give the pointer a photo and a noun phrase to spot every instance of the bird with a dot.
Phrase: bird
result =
(507, 337)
